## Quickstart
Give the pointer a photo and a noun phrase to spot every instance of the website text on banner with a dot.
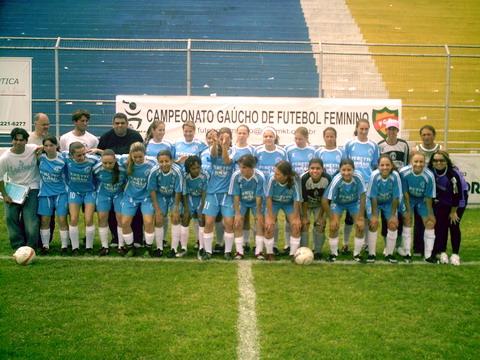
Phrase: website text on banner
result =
(283, 114)
(15, 93)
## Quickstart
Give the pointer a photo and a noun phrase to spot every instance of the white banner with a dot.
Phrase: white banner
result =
(468, 164)
(15, 94)
(283, 114)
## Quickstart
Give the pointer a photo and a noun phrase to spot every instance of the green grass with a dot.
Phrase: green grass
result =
(421, 80)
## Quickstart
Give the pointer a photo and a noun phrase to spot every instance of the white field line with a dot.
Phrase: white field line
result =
(219, 260)
(248, 347)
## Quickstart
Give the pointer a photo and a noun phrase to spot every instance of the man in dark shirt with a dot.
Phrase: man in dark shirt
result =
(119, 140)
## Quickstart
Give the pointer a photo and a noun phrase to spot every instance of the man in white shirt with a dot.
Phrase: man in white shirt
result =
(19, 165)
(80, 119)
(42, 124)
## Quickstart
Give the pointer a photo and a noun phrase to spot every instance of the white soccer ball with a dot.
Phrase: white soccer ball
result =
(303, 256)
(24, 255)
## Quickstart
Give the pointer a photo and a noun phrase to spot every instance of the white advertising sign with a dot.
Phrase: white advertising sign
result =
(283, 114)
(15, 94)
(468, 164)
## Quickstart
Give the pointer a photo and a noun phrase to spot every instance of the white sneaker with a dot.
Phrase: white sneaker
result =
(455, 260)
(401, 251)
(443, 258)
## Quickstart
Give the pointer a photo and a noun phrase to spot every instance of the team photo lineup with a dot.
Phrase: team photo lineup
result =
(143, 189)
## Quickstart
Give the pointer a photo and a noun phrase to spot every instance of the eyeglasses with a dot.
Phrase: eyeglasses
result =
(439, 160)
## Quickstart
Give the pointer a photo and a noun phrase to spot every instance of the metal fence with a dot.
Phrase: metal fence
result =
(438, 85)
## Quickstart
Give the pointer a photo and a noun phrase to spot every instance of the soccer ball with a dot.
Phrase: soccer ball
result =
(24, 255)
(303, 256)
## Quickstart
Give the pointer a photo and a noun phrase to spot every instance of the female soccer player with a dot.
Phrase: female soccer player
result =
(384, 193)
(155, 142)
(248, 190)
(110, 178)
(194, 193)
(418, 186)
(211, 137)
(346, 192)
(136, 195)
(282, 193)
(81, 191)
(314, 183)
(188, 145)
(218, 201)
(449, 206)
(53, 196)
(331, 154)
(165, 186)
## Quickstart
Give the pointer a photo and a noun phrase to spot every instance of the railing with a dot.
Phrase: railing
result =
(438, 84)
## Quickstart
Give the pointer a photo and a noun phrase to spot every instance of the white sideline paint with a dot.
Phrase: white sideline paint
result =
(248, 347)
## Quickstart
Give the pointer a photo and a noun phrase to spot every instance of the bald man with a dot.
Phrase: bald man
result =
(42, 124)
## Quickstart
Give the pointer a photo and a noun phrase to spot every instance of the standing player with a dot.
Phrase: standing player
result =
(314, 183)
(155, 142)
(81, 188)
(418, 186)
(282, 193)
(136, 196)
(165, 186)
(218, 201)
(189, 145)
(248, 190)
(384, 193)
(346, 192)
(331, 154)
(110, 178)
(53, 195)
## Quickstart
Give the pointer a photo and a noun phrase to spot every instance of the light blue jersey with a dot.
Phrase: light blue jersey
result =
(104, 180)
(80, 175)
(193, 188)
(247, 189)
(266, 159)
(384, 190)
(153, 148)
(418, 186)
(136, 187)
(281, 194)
(240, 151)
(52, 175)
(340, 192)
(195, 147)
(300, 157)
(365, 156)
(206, 159)
(166, 184)
(331, 159)
(221, 174)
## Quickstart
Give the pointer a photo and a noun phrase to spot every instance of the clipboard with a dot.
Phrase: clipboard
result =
(17, 192)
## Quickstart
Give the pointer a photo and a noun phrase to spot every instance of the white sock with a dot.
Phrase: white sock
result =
(121, 242)
(246, 236)
(149, 237)
(159, 235)
(45, 236)
(347, 231)
(239, 244)
(259, 240)
(269, 245)
(391, 240)
(407, 239)
(207, 242)
(64, 238)
(183, 237)
(128, 239)
(428, 240)
(357, 246)
(73, 233)
(372, 242)
(201, 231)
(103, 234)
(176, 229)
(228, 241)
(89, 235)
(333, 242)
(294, 244)
(219, 231)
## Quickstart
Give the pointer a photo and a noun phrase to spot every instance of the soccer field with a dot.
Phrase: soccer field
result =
(117, 308)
